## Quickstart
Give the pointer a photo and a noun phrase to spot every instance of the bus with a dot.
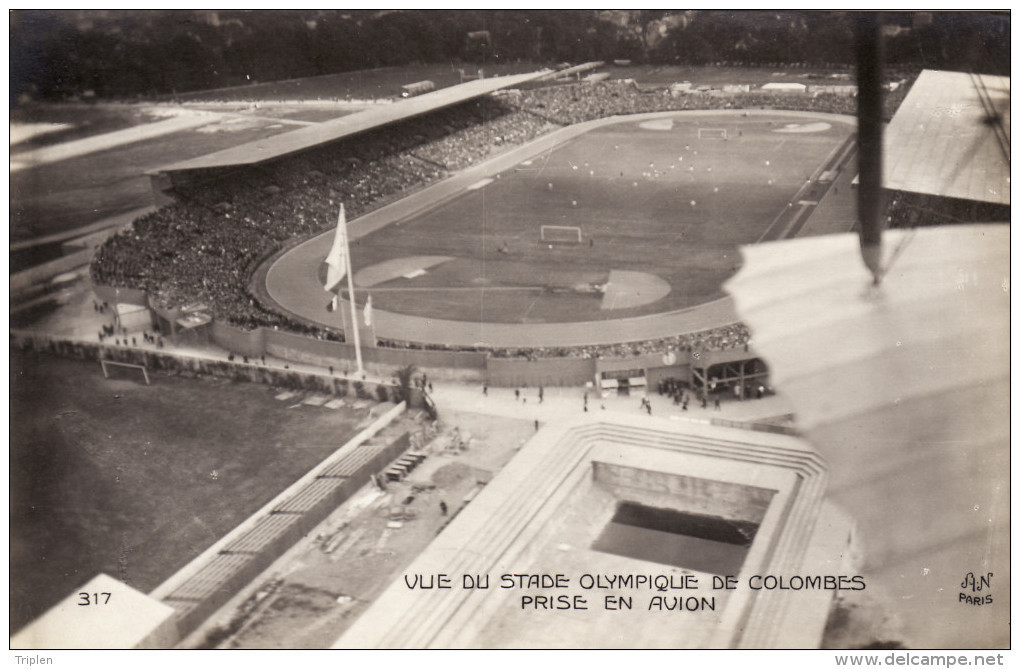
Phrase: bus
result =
(417, 88)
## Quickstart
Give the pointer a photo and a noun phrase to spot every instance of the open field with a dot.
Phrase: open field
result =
(80, 120)
(132, 480)
(661, 212)
(71, 193)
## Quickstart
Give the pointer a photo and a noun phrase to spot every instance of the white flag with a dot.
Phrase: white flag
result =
(337, 258)
(368, 312)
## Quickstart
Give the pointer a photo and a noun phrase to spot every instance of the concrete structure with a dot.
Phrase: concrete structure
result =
(543, 513)
(223, 569)
(774, 87)
(104, 614)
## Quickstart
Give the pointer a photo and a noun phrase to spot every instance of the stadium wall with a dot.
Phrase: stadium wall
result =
(450, 365)
(656, 374)
(121, 295)
(244, 342)
(646, 361)
(464, 366)
(472, 363)
(505, 372)
(173, 363)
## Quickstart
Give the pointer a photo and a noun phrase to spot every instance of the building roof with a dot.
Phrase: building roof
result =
(321, 133)
(943, 141)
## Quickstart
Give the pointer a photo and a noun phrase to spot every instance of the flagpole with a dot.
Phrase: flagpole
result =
(350, 291)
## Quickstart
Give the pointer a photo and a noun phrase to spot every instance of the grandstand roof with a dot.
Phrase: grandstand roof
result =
(320, 133)
(943, 142)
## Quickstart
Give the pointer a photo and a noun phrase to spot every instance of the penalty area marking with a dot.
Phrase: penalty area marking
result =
(657, 124)
(819, 126)
(396, 268)
(626, 289)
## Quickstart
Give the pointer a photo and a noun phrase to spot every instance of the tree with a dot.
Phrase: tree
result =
(405, 377)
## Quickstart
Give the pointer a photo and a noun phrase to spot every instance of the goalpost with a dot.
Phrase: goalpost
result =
(561, 234)
(106, 374)
(712, 133)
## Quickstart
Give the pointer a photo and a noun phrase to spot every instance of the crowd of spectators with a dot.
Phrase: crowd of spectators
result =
(566, 105)
(727, 337)
(205, 247)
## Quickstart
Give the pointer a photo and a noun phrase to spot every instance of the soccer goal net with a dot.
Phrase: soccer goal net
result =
(107, 364)
(561, 234)
(711, 133)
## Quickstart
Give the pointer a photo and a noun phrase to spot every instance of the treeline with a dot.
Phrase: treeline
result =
(127, 53)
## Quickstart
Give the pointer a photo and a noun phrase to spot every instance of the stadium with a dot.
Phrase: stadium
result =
(591, 240)
(541, 251)
(584, 216)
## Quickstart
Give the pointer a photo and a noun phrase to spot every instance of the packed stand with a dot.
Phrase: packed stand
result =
(576, 103)
(727, 337)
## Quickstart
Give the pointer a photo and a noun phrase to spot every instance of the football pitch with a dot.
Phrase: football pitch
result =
(647, 217)
(115, 476)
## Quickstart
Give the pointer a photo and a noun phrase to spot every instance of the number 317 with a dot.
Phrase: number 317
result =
(94, 598)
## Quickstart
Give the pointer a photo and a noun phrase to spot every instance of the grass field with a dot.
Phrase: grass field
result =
(132, 480)
(648, 197)
(71, 193)
(81, 120)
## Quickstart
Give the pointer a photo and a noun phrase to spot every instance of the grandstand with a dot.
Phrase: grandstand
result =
(950, 138)
(947, 153)
(315, 136)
